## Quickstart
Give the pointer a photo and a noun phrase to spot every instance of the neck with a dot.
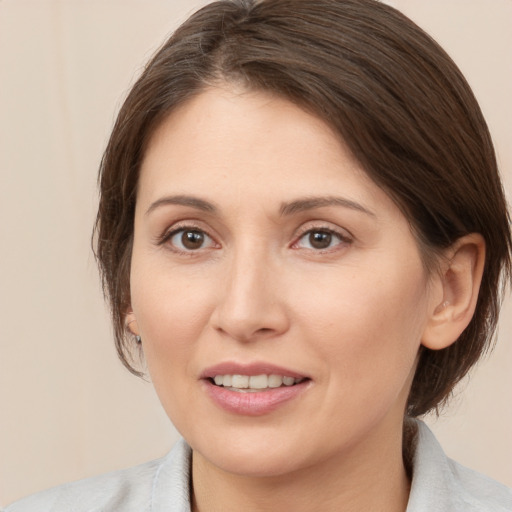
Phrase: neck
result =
(369, 476)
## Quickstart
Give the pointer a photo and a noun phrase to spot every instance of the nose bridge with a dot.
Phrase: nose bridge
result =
(250, 304)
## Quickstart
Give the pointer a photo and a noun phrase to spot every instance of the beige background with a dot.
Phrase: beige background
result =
(67, 407)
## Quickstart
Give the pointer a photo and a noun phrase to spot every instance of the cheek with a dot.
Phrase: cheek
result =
(171, 314)
(172, 310)
(369, 323)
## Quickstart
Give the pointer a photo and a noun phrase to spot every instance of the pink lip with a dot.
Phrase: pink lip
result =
(251, 369)
(252, 403)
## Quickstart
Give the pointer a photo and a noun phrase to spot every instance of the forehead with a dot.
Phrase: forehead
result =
(232, 120)
(225, 138)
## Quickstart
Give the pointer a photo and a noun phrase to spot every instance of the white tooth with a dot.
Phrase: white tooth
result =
(274, 381)
(258, 381)
(227, 380)
(288, 381)
(218, 380)
(240, 381)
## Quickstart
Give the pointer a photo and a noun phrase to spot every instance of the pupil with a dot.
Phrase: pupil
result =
(320, 240)
(192, 239)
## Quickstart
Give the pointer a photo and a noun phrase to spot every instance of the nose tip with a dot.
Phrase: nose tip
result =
(251, 306)
(247, 320)
(244, 332)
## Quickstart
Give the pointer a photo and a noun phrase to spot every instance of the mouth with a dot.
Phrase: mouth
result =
(254, 383)
(253, 389)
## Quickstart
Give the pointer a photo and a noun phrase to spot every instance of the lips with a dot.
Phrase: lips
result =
(253, 389)
(250, 369)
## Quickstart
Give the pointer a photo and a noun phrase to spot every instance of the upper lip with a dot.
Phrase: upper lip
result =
(250, 369)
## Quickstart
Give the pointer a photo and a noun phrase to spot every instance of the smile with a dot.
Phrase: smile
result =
(254, 383)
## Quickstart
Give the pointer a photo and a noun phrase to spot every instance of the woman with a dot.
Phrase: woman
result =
(303, 232)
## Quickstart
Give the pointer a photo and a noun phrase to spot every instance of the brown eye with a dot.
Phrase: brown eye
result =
(320, 239)
(190, 240)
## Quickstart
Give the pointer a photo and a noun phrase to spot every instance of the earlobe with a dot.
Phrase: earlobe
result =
(459, 278)
(131, 323)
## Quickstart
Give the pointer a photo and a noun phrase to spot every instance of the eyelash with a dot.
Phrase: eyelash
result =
(343, 238)
(183, 228)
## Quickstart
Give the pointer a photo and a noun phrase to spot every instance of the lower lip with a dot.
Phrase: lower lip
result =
(254, 403)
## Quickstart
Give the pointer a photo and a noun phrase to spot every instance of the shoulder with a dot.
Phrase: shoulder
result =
(128, 490)
(480, 491)
(97, 493)
(442, 484)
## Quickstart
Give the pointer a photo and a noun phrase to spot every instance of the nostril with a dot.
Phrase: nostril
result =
(245, 321)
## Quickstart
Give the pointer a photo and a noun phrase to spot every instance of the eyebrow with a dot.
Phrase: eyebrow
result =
(310, 203)
(297, 206)
(194, 202)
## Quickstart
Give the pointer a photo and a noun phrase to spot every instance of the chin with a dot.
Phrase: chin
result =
(255, 465)
(252, 456)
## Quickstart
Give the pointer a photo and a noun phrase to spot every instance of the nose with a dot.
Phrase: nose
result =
(251, 303)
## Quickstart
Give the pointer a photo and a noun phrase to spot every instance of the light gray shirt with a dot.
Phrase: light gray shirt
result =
(438, 485)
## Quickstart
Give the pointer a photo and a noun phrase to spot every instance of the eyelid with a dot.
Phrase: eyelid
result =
(343, 234)
(184, 225)
(190, 224)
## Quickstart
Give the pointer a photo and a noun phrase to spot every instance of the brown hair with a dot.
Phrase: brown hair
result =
(395, 98)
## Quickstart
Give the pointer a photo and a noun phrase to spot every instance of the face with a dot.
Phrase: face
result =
(265, 257)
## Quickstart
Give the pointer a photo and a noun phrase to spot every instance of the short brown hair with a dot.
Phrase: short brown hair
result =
(389, 91)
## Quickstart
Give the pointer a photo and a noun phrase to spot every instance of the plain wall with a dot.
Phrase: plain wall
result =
(68, 409)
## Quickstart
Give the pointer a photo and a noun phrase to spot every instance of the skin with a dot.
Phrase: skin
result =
(351, 316)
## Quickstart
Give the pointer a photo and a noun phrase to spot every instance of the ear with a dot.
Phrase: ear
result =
(131, 323)
(458, 283)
